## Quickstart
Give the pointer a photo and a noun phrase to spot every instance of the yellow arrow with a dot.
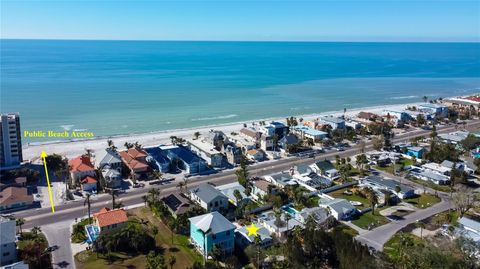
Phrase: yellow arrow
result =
(43, 156)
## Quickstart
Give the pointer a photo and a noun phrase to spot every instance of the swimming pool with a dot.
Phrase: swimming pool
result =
(92, 233)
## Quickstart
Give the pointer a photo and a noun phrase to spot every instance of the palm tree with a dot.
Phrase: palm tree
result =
(238, 196)
(155, 231)
(145, 200)
(181, 186)
(128, 145)
(19, 223)
(157, 174)
(114, 193)
(87, 202)
(372, 197)
(196, 135)
(425, 98)
(36, 230)
(111, 146)
(172, 260)
(420, 225)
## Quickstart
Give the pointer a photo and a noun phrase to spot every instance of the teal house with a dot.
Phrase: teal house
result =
(212, 229)
(415, 151)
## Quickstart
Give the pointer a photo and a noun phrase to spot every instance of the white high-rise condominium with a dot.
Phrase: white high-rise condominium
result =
(11, 141)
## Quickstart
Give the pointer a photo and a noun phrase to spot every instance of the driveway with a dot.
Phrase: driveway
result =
(58, 234)
(379, 236)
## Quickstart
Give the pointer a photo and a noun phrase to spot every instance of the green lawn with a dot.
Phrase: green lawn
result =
(353, 197)
(366, 219)
(393, 244)
(347, 229)
(398, 166)
(185, 255)
(444, 188)
(423, 201)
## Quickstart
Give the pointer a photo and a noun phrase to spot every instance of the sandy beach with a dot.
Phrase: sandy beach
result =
(74, 148)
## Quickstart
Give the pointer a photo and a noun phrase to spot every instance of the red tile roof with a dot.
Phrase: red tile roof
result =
(80, 164)
(473, 98)
(133, 158)
(106, 216)
(88, 180)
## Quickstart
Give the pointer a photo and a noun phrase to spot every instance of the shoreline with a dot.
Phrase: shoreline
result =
(72, 148)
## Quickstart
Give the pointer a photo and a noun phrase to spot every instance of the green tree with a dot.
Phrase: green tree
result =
(372, 197)
(19, 222)
(87, 202)
(242, 172)
(155, 261)
(172, 260)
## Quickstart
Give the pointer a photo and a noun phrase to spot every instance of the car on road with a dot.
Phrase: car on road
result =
(138, 185)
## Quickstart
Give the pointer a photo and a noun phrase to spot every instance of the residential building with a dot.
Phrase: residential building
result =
(469, 228)
(157, 159)
(462, 166)
(8, 247)
(353, 124)
(381, 183)
(212, 230)
(312, 182)
(10, 141)
(110, 219)
(309, 133)
(229, 191)
(261, 188)
(436, 109)
(250, 134)
(267, 143)
(464, 102)
(454, 137)
(182, 158)
(233, 153)
(416, 152)
(327, 169)
(110, 166)
(274, 128)
(206, 151)
(177, 204)
(243, 240)
(400, 115)
(14, 198)
(318, 214)
(334, 122)
(135, 160)
(289, 139)
(428, 175)
(256, 155)
(89, 184)
(81, 167)
(436, 168)
(279, 227)
(281, 179)
(367, 116)
(208, 197)
(340, 209)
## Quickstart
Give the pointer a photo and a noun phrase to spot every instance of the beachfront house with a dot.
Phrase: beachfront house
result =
(80, 168)
(212, 230)
(438, 110)
(135, 162)
(398, 114)
(340, 209)
(381, 183)
(243, 240)
(309, 133)
(182, 158)
(209, 198)
(288, 140)
(110, 166)
(207, 151)
(177, 204)
(326, 168)
(157, 159)
(334, 122)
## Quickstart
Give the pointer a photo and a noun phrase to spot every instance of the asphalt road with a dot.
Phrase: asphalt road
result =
(76, 209)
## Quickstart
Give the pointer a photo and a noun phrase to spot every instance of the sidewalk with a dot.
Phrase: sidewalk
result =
(355, 227)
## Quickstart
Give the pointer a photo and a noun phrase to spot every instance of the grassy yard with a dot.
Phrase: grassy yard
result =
(346, 229)
(367, 219)
(398, 166)
(185, 255)
(393, 244)
(444, 188)
(423, 201)
(436, 221)
(353, 197)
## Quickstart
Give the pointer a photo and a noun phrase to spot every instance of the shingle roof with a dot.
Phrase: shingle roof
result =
(262, 184)
(262, 232)
(111, 157)
(177, 203)
(325, 165)
(213, 222)
(341, 205)
(13, 195)
(108, 217)
(388, 183)
(206, 192)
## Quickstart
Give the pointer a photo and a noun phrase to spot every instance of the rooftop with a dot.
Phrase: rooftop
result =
(262, 232)
(213, 222)
(106, 216)
(206, 192)
(80, 164)
(229, 190)
(14, 195)
(332, 119)
(341, 205)
(177, 203)
(309, 131)
(203, 145)
(181, 152)
(388, 183)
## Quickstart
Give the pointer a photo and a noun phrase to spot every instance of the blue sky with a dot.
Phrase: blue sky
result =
(313, 20)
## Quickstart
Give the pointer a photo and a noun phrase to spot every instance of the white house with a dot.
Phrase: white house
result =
(341, 209)
(208, 197)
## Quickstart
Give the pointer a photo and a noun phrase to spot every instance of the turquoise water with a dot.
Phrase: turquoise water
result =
(123, 87)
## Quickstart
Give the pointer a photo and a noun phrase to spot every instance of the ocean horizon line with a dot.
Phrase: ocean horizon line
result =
(248, 41)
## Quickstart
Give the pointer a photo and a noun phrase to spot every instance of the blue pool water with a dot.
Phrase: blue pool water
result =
(92, 233)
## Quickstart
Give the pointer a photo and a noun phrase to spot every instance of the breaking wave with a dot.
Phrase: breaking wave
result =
(216, 118)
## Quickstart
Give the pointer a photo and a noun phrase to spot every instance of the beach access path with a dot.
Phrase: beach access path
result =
(76, 209)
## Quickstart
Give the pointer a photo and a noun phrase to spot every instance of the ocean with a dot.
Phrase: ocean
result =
(132, 87)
